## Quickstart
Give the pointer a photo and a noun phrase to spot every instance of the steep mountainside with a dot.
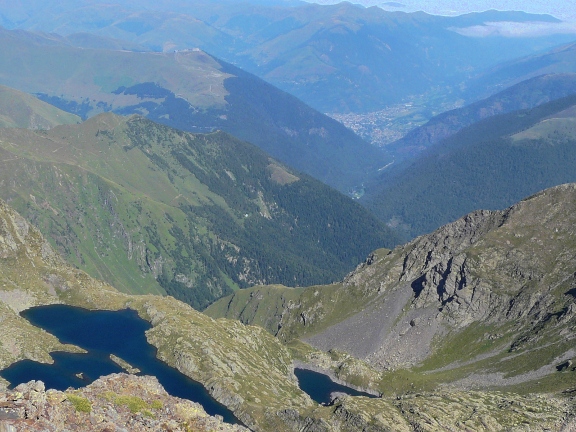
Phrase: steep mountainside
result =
(21, 110)
(485, 302)
(525, 95)
(153, 209)
(243, 367)
(337, 58)
(561, 59)
(189, 90)
(490, 164)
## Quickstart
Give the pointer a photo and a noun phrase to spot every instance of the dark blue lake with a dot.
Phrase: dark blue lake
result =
(102, 333)
(319, 386)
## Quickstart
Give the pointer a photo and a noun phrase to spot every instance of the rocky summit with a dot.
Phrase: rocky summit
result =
(117, 402)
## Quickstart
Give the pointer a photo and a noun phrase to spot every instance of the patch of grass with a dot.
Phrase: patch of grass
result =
(81, 404)
(534, 358)
(156, 404)
(558, 383)
(134, 403)
(475, 340)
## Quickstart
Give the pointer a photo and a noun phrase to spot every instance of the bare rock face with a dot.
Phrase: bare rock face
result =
(509, 269)
(116, 402)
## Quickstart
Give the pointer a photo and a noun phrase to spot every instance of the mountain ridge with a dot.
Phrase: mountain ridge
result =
(153, 209)
(21, 110)
(483, 302)
(524, 95)
(558, 59)
(484, 165)
(188, 90)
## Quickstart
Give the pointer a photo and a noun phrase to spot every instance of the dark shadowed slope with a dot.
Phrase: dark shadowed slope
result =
(189, 90)
(490, 164)
(525, 95)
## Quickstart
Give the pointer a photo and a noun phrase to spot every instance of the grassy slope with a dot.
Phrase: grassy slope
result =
(32, 274)
(152, 209)
(21, 110)
(92, 74)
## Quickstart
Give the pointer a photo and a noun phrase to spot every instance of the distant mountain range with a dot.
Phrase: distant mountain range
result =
(152, 209)
(524, 95)
(337, 58)
(191, 91)
(489, 164)
(400, 55)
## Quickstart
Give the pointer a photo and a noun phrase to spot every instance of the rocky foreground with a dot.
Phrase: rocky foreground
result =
(118, 402)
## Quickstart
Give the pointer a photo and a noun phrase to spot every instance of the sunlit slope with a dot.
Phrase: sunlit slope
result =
(153, 209)
(21, 110)
(189, 90)
(32, 274)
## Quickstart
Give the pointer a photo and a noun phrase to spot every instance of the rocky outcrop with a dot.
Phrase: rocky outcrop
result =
(492, 283)
(492, 268)
(116, 402)
(438, 411)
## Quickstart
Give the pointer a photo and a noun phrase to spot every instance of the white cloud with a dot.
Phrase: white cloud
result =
(514, 29)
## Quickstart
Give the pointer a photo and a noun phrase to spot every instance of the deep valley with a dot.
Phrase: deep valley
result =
(188, 242)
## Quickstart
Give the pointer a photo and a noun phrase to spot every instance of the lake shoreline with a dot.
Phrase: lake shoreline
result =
(299, 364)
(104, 335)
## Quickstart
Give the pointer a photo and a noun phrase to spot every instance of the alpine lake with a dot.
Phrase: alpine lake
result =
(122, 334)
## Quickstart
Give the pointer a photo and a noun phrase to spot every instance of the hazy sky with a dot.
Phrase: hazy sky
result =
(562, 9)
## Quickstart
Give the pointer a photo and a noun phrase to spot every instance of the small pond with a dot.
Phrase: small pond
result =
(320, 387)
(102, 333)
